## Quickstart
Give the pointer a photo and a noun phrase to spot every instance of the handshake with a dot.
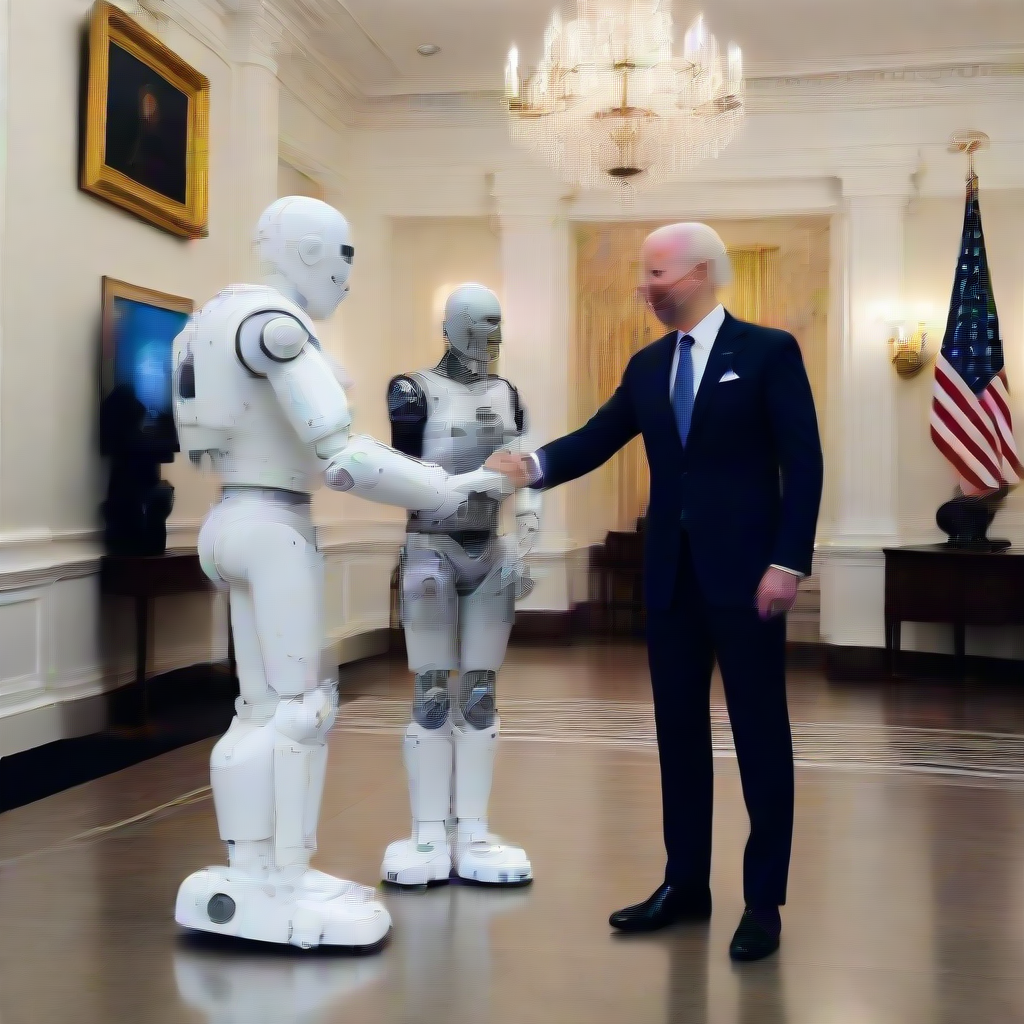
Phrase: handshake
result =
(519, 469)
(371, 470)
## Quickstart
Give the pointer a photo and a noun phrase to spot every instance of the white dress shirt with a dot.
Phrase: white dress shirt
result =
(704, 335)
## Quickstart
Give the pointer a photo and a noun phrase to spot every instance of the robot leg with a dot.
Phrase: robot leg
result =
(268, 771)
(486, 616)
(430, 618)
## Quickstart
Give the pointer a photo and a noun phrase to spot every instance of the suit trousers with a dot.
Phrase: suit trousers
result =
(683, 643)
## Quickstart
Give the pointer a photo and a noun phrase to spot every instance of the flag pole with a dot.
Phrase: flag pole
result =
(966, 518)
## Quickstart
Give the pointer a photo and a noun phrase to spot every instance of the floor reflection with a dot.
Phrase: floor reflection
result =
(232, 983)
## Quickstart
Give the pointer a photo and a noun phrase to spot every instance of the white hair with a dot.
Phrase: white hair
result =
(694, 243)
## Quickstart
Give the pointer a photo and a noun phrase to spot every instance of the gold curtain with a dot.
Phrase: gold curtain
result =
(612, 323)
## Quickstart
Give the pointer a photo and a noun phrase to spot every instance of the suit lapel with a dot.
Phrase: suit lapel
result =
(719, 362)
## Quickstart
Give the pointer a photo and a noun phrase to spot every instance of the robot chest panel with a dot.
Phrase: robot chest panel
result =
(467, 425)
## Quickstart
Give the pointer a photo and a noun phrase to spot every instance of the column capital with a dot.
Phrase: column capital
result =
(879, 182)
(255, 32)
(529, 192)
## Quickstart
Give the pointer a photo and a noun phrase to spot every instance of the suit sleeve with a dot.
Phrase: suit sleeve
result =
(578, 453)
(794, 425)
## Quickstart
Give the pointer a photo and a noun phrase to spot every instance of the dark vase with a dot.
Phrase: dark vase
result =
(965, 520)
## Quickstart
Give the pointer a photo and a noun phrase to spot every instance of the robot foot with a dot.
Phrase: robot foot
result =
(412, 864)
(488, 860)
(313, 913)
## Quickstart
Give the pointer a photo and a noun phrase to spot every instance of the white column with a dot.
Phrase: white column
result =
(867, 256)
(536, 258)
(4, 80)
(254, 35)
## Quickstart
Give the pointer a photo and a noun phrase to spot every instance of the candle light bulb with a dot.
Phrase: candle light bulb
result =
(735, 64)
(512, 75)
(694, 38)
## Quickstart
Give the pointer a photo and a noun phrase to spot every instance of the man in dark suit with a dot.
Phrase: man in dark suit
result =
(729, 427)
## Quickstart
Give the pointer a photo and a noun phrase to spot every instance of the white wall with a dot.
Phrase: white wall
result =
(61, 646)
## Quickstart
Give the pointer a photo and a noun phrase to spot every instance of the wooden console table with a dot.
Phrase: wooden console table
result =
(144, 578)
(934, 583)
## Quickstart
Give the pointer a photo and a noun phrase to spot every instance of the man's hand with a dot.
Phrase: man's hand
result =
(776, 593)
(516, 467)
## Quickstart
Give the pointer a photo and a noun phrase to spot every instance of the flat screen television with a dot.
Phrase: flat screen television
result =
(139, 328)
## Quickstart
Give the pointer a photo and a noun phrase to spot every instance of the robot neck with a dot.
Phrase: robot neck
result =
(460, 368)
(281, 284)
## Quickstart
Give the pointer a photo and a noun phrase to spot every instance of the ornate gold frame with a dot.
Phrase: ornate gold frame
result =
(189, 219)
(113, 289)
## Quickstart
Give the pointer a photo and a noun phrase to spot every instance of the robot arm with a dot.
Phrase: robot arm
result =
(528, 500)
(275, 347)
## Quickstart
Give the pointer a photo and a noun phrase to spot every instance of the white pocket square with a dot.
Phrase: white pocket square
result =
(729, 375)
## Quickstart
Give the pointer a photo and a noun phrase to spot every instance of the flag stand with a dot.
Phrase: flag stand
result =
(970, 382)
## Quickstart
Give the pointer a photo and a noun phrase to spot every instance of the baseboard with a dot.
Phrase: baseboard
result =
(543, 626)
(871, 664)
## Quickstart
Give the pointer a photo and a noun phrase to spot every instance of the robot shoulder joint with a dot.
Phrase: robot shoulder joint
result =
(407, 402)
(270, 337)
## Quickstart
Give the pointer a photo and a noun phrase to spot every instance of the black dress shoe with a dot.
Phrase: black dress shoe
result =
(755, 938)
(668, 905)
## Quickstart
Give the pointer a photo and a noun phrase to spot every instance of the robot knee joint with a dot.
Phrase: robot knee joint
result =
(433, 703)
(428, 593)
(477, 699)
(308, 717)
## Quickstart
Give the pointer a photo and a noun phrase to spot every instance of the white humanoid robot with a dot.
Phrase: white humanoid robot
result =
(254, 392)
(460, 581)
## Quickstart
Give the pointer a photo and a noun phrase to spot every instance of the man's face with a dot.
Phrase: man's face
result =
(666, 287)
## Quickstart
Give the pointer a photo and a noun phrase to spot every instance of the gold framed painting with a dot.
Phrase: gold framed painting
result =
(147, 120)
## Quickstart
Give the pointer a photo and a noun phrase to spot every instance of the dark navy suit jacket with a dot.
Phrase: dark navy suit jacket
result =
(749, 480)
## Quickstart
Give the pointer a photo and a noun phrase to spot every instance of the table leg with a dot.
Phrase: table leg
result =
(141, 657)
(893, 638)
(959, 648)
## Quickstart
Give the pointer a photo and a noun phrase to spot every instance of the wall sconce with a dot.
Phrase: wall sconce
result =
(909, 348)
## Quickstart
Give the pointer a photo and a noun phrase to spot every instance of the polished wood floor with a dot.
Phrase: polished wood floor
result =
(907, 897)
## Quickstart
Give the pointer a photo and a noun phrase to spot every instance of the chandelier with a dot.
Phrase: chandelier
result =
(609, 106)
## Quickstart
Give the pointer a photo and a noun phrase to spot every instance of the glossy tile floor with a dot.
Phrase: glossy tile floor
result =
(907, 897)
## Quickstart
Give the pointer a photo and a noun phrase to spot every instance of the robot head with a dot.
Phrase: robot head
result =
(308, 243)
(472, 324)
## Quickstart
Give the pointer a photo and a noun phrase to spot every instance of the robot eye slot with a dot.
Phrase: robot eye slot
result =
(348, 253)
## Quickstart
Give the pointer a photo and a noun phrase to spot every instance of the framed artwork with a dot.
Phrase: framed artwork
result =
(139, 328)
(146, 132)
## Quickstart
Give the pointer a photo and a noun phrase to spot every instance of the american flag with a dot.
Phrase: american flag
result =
(970, 417)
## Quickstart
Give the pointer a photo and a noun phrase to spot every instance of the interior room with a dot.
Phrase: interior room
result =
(841, 156)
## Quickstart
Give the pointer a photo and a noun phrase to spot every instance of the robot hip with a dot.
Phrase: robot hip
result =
(250, 526)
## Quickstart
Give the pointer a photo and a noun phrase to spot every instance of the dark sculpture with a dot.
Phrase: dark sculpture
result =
(966, 519)
(138, 501)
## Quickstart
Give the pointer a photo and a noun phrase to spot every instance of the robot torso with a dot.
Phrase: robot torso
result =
(223, 409)
(457, 424)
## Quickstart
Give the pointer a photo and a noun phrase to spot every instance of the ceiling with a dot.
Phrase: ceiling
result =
(372, 43)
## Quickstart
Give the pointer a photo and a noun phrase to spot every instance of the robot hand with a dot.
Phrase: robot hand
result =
(457, 491)
(527, 529)
(528, 505)
(482, 481)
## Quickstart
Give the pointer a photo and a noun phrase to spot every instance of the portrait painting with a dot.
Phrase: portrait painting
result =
(146, 126)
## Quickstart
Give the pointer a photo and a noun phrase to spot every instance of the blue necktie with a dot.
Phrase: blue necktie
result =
(682, 392)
